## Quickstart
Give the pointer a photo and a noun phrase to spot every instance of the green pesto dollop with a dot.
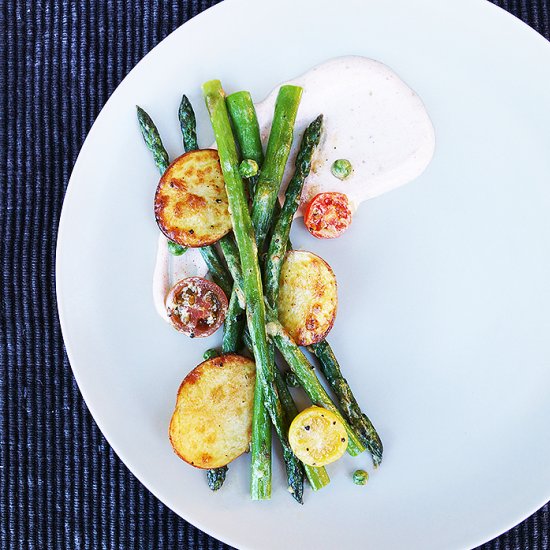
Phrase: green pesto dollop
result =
(341, 169)
(248, 168)
(176, 249)
(360, 477)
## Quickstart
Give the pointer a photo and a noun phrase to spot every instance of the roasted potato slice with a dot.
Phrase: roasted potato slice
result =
(307, 297)
(212, 422)
(191, 206)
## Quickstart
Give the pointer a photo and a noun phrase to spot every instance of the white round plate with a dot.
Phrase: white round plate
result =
(444, 283)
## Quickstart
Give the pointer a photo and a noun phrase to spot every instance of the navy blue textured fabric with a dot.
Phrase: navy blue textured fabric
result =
(61, 485)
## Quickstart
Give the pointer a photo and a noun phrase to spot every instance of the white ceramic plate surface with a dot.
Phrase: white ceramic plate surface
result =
(444, 310)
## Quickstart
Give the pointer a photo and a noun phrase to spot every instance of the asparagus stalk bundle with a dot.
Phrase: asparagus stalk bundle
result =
(252, 282)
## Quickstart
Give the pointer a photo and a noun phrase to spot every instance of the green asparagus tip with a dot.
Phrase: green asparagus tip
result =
(360, 477)
(216, 477)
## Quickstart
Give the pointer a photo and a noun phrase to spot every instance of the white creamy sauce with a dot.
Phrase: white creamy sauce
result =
(371, 118)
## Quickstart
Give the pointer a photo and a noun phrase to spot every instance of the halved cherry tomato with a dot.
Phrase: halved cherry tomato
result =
(196, 307)
(328, 215)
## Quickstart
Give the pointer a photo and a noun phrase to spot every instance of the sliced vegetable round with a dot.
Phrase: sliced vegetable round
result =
(196, 307)
(191, 206)
(212, 421)
(317, 436)
(308, 297)
(328, 215)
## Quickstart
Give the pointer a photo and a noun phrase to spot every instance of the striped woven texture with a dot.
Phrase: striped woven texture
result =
(61, 485)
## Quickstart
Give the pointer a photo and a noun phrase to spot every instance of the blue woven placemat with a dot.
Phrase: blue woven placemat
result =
(61, 485)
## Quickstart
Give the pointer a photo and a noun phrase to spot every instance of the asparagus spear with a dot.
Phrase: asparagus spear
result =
(252, 282)
(216, 477)
(278, 149)
(233, 326)
(279, 239)
(301, 367)
(188, 124)
(154, 143)
(243, 115)
(152, 139)
(279, 242)
(350, 408)
(317, 476)
(219, 273)
(247, 130)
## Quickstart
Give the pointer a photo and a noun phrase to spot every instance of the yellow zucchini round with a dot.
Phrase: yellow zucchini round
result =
(191, 206)
(308, 297)
(212, 421)
(317, 436)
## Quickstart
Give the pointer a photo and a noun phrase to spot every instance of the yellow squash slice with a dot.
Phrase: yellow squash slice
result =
(212, 422)
(317, 436)
(191, 206)
(308, 297)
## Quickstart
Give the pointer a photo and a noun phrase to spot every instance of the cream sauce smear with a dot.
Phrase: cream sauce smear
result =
(371, 118)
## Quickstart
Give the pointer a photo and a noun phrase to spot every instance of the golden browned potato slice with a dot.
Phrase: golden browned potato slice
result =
(307, 297)
(191, 205)
(212, 422)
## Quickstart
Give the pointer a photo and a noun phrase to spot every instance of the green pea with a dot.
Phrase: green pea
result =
(176, 249)
(210, 354)
(360, 477)
(341, 169)
(248, 168)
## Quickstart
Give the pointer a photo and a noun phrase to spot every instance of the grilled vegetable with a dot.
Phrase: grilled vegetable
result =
(196, 306)
(191, 205)
(307, 297)
(211, 424)
(317, 436)
(328, 215)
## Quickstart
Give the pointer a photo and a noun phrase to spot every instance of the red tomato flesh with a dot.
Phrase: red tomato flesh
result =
(196, 307)
(328, 215)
